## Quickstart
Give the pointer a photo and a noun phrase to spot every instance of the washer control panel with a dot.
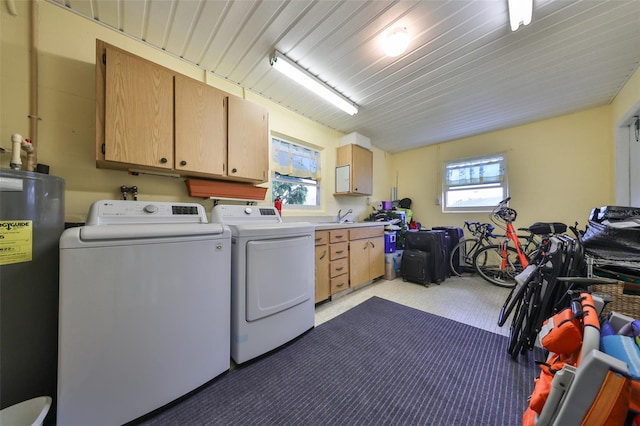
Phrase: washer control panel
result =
(235, 213)
(107, 212)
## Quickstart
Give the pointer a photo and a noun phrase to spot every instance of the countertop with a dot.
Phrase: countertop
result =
(333, 225)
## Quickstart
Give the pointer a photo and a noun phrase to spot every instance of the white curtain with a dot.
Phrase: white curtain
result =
(475, 172)
(295, 160)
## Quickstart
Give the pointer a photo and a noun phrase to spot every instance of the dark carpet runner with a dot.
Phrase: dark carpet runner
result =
(378, 363)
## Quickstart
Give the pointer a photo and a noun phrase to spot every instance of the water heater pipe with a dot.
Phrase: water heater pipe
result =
(32, 158)
(16, 143)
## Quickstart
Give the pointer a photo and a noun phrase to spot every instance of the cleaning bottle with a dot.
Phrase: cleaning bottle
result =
(278, 205)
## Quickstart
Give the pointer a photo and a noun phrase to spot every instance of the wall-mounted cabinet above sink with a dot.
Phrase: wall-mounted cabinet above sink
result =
(354, 170)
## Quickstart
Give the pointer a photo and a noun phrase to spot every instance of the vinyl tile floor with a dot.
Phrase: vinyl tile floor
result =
(467, 299)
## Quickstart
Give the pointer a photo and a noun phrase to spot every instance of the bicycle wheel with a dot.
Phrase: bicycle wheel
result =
(522, 333)
(461, 258)
(513, 302)
(488, 263)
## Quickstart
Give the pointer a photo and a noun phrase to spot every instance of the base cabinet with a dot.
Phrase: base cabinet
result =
(366, 254)
(323, 289)
(339, 260)
(347, 258)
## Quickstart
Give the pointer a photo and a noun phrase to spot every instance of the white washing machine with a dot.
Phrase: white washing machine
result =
(144, 309)
(272, 279)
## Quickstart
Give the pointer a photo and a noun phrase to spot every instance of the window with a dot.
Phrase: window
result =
(296, 174)
(474, 184)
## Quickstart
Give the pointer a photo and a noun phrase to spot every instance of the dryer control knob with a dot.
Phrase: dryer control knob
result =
(247, 210)
(150, 208)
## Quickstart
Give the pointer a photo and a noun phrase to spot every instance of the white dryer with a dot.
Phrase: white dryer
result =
(144, 309)
(272, 279)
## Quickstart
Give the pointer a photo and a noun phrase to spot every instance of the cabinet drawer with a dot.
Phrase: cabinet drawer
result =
(338, 250)
(337, 267)
(322, 237)
(366, 232)
(339, 283)
(338, 235)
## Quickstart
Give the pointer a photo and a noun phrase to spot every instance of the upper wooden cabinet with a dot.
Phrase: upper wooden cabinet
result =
(248, 140)
(201, 128)
(354, 170)
(138, 102)
(151, 118)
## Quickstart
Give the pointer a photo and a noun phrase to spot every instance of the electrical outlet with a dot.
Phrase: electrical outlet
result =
(437, 201)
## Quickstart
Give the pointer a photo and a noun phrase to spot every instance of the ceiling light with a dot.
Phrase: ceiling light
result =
(311, 82)
(396, 42)
(520, 12)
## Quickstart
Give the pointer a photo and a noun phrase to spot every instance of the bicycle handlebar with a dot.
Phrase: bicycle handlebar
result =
(478, 228)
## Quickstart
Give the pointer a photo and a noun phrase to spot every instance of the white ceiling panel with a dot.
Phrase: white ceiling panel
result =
(465, 72)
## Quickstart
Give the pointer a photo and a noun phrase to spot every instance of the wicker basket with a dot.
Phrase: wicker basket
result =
(627, 304)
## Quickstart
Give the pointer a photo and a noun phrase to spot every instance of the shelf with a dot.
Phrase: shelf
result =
(225, 190)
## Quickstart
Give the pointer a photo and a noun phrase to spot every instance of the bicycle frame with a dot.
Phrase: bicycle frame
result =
(513, 236)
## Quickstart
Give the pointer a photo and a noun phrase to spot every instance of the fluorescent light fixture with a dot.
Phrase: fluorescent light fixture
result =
(396, 42)
(301, 76)
(520, 12)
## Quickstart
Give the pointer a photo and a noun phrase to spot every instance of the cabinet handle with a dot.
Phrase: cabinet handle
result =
(324, 253)
(340, 285)
(339, 236)
(340, 268)
(183, 163)
(234, 170)
(163, 160)
(372, 245)
(340, 252)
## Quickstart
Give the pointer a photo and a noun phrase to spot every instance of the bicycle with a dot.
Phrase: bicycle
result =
(546, 286)
(462, 254)
(461, 257)
(500, 263)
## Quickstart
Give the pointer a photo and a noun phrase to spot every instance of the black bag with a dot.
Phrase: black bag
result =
(615, 213)
(415, 266)
(546, 228)
(454, 235)
(608, 242)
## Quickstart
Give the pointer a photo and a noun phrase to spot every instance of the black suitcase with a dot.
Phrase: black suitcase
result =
(455, 234)
(415, 266)
(440, 256)
(434, 242)
(418, 240)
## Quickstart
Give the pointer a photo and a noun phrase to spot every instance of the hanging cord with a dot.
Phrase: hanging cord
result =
(636, 128)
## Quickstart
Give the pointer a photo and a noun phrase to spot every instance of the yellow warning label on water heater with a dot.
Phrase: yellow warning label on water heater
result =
(16, 241)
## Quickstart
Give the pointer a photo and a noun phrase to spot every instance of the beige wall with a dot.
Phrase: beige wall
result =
(66, 135)
(558, 169)
(627, 98)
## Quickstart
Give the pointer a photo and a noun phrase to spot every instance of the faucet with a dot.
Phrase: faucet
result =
(342, 216)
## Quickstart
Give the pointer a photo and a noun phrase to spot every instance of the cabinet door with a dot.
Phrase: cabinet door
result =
(138, 111)
(376, 258)
(359, 262)
(248, 138)
(354, 170)
(362, 170)
(322, 273)
(201, 128)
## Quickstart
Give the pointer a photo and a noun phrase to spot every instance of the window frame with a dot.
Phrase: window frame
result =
(277, 176)
(501, 181)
